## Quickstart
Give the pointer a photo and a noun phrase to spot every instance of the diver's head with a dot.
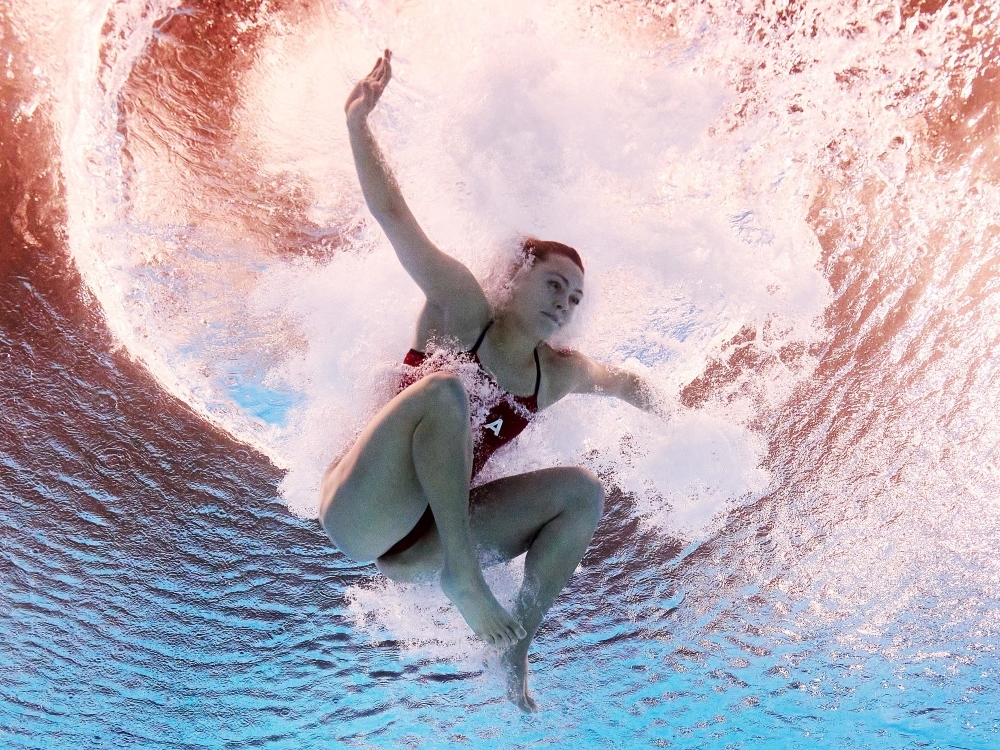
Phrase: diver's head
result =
(547, 289)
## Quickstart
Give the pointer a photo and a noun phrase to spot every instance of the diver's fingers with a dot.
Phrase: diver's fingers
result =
(387, 68)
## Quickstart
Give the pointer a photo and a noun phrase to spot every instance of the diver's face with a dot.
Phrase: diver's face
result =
(546, 295)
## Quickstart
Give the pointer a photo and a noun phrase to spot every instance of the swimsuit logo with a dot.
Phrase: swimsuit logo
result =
(494, 426)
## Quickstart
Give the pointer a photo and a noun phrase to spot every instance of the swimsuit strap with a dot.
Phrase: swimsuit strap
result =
(475, 347)
(538, 365)
(538, 374)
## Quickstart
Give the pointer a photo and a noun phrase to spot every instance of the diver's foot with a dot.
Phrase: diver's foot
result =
(515, 665)
(476, 603)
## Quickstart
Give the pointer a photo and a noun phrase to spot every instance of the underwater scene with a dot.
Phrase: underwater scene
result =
(789, 212)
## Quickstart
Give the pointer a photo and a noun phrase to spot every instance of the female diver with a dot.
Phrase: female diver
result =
(401, 495)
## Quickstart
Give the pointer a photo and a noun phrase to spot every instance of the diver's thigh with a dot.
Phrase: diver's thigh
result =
(371, 498)
(505, 516)
(508, 513)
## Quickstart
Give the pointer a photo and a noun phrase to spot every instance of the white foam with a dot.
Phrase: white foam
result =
(565, 137)
(423, 621)
(681, 154)
(526, 122)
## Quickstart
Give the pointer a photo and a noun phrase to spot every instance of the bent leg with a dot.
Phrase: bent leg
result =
(550, 514)
(371, 497)
(553, 555)
(417, 451)
(442, 458)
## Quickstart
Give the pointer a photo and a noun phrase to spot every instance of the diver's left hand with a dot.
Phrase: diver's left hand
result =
(365, 95)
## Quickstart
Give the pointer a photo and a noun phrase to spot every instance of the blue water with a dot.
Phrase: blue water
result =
(205, 615)
(798, 239)
(271, 406)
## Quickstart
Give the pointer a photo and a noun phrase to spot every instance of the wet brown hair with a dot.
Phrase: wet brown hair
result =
(543, 249)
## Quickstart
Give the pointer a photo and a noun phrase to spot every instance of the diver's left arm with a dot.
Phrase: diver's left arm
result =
(590, 376)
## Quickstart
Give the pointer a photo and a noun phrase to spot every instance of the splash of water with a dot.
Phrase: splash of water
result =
(271, 317)
(787, 213)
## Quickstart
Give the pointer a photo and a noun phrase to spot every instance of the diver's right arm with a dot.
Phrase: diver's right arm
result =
(447, 283)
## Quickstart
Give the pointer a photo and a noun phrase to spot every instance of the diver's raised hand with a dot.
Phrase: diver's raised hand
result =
(365, 95)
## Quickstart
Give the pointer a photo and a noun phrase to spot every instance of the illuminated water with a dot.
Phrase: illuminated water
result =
(789, 217)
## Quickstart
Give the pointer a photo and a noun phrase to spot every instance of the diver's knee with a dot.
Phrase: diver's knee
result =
(447, 394)
(587, 492)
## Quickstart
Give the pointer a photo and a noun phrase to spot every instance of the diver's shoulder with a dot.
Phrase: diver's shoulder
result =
(562, 368)
(560, 357)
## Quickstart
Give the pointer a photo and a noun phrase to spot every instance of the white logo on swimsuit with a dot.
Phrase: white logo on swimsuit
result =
(494, 426)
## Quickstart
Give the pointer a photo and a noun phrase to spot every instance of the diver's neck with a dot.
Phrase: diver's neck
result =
(509, 337)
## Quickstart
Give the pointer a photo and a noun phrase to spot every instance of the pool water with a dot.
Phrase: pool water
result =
(788, 213)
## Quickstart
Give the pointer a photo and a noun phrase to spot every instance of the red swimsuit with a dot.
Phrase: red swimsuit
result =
(506, 417)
